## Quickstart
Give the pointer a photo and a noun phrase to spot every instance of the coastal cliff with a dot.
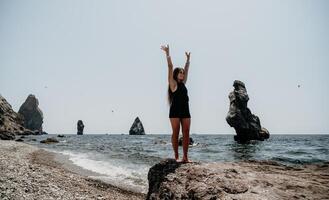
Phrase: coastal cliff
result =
(13, 123)
(240, 180)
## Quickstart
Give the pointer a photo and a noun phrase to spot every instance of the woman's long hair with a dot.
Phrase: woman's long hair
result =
(175, 76)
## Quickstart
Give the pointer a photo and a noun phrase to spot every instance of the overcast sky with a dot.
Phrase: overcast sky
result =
(100, 61)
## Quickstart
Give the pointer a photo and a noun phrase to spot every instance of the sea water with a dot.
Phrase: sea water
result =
(124, 160)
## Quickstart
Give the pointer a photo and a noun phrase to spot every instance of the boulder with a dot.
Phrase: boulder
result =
(172, 180)
(157, 175)
(247, 125)
(60, 135)
(33, 117)
(137, 128)
(248, 180)
(80, 127)
(180, 141)
(49, 141)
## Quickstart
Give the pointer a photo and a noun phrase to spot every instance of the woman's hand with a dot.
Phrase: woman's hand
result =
(165, 48)
(188, 54)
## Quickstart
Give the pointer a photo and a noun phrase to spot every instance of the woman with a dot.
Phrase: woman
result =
(179, 113)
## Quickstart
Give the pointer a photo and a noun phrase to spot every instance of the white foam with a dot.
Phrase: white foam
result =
(113, 171)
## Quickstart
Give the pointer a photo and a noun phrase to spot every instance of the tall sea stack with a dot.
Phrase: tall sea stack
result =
(247, 125)
(80, 127)
(33, 117)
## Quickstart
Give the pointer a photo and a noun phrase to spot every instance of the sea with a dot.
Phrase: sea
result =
(124, 160)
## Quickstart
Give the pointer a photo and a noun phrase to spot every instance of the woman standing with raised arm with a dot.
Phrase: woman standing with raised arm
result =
(179, 113)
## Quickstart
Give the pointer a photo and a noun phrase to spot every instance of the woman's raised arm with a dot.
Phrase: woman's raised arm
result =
(172, 82)
(187, 65)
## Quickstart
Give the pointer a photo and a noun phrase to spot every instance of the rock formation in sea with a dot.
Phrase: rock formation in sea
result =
(33, 117)
(247, 125)
(11, 123)
(180, 141)
(80, 127)
(236, 180)
(137, 128)
(49, 141)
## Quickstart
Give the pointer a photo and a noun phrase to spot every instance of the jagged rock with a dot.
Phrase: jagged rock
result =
(247, 125)
(137, 128)
(172, 180)
(11, 123)
(157, 175)
(180, 141)
(4, 135)
(264, 133)
(49, 141)
(80, 127)
(33, 117)
(247, 180)
(28, 132)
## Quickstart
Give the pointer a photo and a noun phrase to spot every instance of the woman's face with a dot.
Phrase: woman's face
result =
(181, 75)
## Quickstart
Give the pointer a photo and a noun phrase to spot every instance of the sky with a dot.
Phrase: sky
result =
(100, 61)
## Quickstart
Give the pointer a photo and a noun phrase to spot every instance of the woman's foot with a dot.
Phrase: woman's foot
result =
(176, 157)
(185, 160)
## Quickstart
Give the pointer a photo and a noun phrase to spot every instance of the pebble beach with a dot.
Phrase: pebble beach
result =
(27, 172)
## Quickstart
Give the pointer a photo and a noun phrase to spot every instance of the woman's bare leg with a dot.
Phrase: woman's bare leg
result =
(175, 125)
(186, 123)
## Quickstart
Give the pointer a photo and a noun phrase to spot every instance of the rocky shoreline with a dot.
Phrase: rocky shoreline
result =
(27, 172)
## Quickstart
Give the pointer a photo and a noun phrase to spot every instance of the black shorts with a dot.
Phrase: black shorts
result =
(182, 111)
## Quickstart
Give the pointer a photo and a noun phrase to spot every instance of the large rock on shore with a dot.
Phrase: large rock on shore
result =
(137, 128)
(247, 125)
(252, 180)
(11, 123)
(33, 117)
(80, 127)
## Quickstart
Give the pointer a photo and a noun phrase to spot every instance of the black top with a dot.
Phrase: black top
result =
(179, 107)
